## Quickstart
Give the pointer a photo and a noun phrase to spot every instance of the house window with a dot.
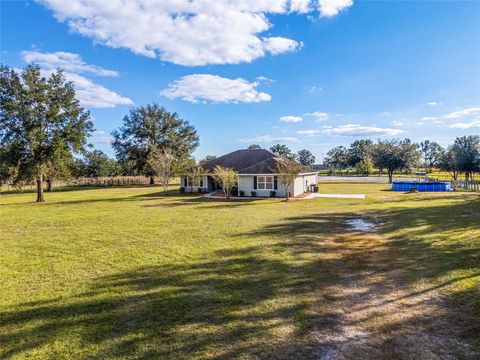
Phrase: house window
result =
(197, 183)
(265, 183)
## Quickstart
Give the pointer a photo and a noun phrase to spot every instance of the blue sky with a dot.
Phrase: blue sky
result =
(310, 74)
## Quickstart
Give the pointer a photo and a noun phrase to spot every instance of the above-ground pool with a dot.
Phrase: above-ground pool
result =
(422, 186)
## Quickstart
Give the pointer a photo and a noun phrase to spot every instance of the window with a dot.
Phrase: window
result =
(197, 183)
(265, 183)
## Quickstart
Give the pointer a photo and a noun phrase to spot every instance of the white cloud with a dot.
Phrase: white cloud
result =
(318, 116)
(313, 89)
(67, 61)
(309, 132)
(466, 125)
(360, 130)
(269, 139)
(188, 32)
(94, 95)
(88, 93)
(213, 88)
(463, 112)
(101, 137)
(328, 8)
(398, 123)
(291, 119)
(433, 103)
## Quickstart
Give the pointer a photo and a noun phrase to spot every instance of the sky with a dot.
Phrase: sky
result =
(311, 74)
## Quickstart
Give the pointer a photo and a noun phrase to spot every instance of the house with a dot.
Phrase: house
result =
(256, 173)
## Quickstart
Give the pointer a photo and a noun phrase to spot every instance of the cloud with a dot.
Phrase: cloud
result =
(65, 60)
(359, 130)
(190, 33)
(463, 112)
(101, 137)
(291, 119)
(398, 123)
(213, 88)
(433, 103)
(313, 89)
(269, 139)
(466, 125)
(88, 93)
(329, 8)
(318, 116)
(94, 95)
(309, 132)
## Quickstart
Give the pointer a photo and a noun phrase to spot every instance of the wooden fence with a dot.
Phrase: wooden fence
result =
(471, 185)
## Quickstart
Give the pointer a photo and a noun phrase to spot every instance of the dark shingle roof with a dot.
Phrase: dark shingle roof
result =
(257, 161)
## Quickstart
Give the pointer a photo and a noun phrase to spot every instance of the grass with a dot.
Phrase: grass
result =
(128, 273)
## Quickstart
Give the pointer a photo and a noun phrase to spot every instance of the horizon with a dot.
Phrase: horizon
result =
(310, 75)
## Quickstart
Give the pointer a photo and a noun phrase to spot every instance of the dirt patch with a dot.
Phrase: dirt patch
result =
(360, 224)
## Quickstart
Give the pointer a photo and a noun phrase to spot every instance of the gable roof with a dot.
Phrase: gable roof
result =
(255, 161)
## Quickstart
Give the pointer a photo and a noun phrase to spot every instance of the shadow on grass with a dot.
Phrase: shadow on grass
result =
(276, 300)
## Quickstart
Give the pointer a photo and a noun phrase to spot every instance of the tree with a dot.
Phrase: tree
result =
(282, 150)
(254, 147)
(467, 149)
(97, 164)
(360, 151)
(153, 127)
(41, 123)
(207, 159)
(431, 152)
(287, 170)
(305, 157)
(161, 162)
(227, 178)
(449, 161)
(395, 155)
(337, 157)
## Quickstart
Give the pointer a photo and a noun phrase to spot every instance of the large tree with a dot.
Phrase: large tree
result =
(282, 150)
(41, 124)
(431, 153)
(467, 149)
(360, 151)
(396, 155)
(97, 164)
(450, 161)
(305, 157)
(153, 127)
(337, 157)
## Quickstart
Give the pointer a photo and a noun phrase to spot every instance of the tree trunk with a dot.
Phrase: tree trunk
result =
(49, 184)
(390, 176)
(40, 189)
(152, 180)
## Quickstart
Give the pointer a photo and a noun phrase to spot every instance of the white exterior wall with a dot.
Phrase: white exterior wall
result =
(300, 185)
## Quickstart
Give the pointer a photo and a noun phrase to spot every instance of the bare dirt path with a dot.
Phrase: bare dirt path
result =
(374, 313)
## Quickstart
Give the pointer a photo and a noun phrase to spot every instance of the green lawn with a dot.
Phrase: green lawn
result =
(128, 273)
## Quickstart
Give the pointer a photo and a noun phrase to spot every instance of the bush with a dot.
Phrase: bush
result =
(254, 193)
(241, 193)
(200, 190)
(182, 189)
(273, 193)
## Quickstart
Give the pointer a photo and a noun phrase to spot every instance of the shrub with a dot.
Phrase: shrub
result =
(241, 193)
(273, 193)
(200, 190)
(254, 193)
(182, 189)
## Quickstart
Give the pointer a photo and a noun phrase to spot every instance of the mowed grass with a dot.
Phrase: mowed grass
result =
(130, 273)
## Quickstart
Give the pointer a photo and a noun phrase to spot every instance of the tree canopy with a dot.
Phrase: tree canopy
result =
(396, 155)
(148, 127)
(282, 150)
(41, 125)
(305, 157)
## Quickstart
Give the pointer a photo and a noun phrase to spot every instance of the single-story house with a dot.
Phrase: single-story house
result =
(256, 173)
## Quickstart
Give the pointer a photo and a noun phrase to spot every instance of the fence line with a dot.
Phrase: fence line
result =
(472, 185)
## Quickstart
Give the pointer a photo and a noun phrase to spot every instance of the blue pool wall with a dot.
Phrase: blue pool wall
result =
(430, 186)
